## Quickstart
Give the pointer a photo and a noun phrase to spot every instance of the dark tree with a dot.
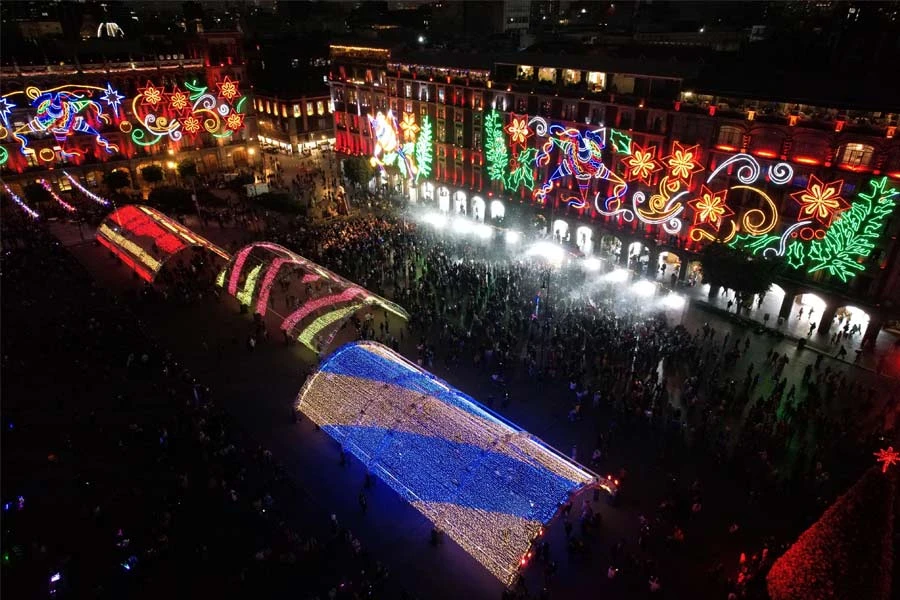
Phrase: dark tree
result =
(359, 170)
(187, 169)
(36, 195)
(175, 200)
(152, 174)
(116, 180)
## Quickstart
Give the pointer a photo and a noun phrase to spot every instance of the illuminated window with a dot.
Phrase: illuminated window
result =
(407, 89)
(408, 107)
(64, 184)
(856, 155)
(331, 106)
(477, 99)
(547, 74)
(525, 72)
(284, 110)
(596, 81)
(441, 132)
(297, 112)
(320, 107)
(440, 94)
(423, 92)
(309, 109)
(729, 138)
(268, 107)
(571, 76)
(30, 157)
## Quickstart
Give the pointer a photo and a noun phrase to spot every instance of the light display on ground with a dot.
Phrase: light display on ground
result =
(145, 239)
(61, 112)
(318, 319)
(85, 191)
(488, 484)
(21, 203)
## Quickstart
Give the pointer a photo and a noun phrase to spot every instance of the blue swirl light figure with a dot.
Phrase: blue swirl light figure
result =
(62, 114)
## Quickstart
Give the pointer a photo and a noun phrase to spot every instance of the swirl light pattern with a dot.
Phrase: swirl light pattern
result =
(487, 483)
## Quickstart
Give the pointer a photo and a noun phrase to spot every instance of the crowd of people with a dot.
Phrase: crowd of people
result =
(123, 476)
(618, 373)
(725, 396)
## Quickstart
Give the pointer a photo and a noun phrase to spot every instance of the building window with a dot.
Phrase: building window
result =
(408, 107)
(441, 132)
(571, 76)
(423, 110)
(284, 110)
(525, 72)
(320, 107)
(423, 92)
(440, 94)
(297, 112)
(596, 81)
(331, 106)
(407, 89)
(856, 155)
(268, 108)
(729, 138)
(30, 157)
(309, 109)
(547, 74)
(476, 101)
(476, 139)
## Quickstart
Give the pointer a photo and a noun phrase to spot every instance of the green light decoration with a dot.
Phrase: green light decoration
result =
(796, 255)
(245, 296)
(511, 177)
(854, 234)
(847, 241)
(495, 147)
(424, 150)
(523, 174)
(621, 141)
(4, 155)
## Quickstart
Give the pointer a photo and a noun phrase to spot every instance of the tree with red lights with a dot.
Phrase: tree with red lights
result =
(848, 552)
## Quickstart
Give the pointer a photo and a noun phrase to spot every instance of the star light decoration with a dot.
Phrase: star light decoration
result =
(683, 163)
(641, 164)
(887, 457)
(191, 124)
(821, 201)
(518, 129)
(409, 127)
(112, 98)
(234, 121)
(178, 100)
(150, 94)
(5, 110)
(710, 207)
(228, 89)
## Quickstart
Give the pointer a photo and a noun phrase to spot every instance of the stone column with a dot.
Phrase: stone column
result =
(827, 319)
(786, 305)
(872, 331)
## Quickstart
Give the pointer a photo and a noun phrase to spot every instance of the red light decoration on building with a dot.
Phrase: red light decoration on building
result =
(228, 89)
(234, 121)
(710, 207)
(887, 457)
(178, 100)
(151, 95)
(641, 164)
(821, 201)
(683, 163)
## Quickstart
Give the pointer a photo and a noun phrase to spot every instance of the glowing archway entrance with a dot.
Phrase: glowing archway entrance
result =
(584, 238)
(560, 230)
(460, 203)
(443, 199)
(478, 208)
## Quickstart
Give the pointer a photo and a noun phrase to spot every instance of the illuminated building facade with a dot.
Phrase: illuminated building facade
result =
(91, 118)
(294, 125)
(619, 153)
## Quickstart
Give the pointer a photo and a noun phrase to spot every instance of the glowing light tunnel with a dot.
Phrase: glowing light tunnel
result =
(487, 483)
(145, 239)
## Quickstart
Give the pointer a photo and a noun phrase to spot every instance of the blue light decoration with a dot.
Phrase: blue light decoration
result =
(488, 484)
(112, 98)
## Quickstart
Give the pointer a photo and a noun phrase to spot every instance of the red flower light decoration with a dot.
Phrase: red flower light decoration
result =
(191, 124)
(518, 129)
(150, 94)
(710, 207)
(683, 163)
(234, 121)
(821, 201)
(228, 89)
(887, 458)
(178, 100)
(641, 164)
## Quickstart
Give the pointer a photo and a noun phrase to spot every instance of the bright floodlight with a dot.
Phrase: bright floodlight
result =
(547, 250)
(644, 288)
(673, 301)
(462, 225)
(484, 231)
(437, 220)
(617, 276)
(512, 237)
(591, 264)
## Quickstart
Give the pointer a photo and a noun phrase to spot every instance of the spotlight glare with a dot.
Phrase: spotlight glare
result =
(546, 250)
(484, 231)
(644, 288)
(617, 276)
(673, 301)
(436, 220)
(512, 237)
(461, 225)
(591, 264)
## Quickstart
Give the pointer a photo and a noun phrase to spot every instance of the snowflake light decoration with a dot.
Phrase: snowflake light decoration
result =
(887, 457)
(409, 127)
